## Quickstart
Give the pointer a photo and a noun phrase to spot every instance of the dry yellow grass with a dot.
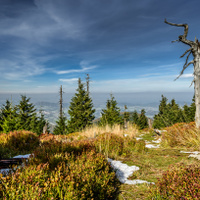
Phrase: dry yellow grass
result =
(131, 131)
(182, 134)
(93, 131)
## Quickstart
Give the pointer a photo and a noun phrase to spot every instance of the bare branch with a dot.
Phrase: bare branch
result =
(182, 38)
(175, 41)
(186, 52)
(184, 67)
(192, 83)
(186, 61)
(179, 25)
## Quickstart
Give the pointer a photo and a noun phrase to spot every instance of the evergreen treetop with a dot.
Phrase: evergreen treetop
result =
(171, 113)
(61, 126)
(8, 117)
(111, 115)
(21, 117)
(143, 120)
(26, 112)
(80, 110)
(135, 117)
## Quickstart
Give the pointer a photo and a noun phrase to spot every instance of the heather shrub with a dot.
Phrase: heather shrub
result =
(88, 176)
(50, 148)
(22, 141)
(4, 152)
(182, 182)
(17, 142)
(182, 134)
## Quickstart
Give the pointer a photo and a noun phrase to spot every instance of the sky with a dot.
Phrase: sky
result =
(124, 45)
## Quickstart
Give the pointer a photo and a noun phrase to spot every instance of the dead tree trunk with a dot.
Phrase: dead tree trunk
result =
(87, 83)
(195, 51)
(61, 102)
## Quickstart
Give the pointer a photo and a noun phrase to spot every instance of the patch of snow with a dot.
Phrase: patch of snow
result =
(151, 146)
(194, 156)
(23, 156)
(157, 141)
(194, 152)
(138, 138)
(137, 181)
(123, 171)
(5, 171)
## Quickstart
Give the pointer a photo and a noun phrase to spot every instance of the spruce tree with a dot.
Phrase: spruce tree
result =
(80, 110)
(174, 113)
(162, 118)
(111, 115)
(143, 120)
(163, 105)
(186, 113)
(135, 117)
(8, 118)
(61, 127)
(189, 111)
(170, 113)
(26, 114)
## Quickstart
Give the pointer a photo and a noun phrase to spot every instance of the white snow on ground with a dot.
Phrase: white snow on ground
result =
(157, 141)
(23, 156)
(123, 171)
(194, 154)
(151, 146)
(4, 171)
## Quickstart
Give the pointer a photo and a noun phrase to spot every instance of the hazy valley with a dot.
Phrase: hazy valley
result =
(48, 103)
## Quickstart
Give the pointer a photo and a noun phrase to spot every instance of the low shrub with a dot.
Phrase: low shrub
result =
(17, 142)
(182, 134)
(46, 150)
(89, 176)
(182, 182)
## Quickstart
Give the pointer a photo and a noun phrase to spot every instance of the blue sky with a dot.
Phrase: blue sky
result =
(124, 45)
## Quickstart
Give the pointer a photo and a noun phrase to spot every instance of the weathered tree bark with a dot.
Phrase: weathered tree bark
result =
(195, 51)
(87, 82)
(61, 102)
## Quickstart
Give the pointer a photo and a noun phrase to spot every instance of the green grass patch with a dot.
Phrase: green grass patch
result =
(152, 165)
(148, 136)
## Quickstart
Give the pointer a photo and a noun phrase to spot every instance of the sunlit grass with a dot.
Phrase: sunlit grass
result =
(182, 135)
(120, 144)
(93, 131)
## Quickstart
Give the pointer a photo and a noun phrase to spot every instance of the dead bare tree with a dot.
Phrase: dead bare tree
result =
(194, 49)
(87, 82)
(61, 102)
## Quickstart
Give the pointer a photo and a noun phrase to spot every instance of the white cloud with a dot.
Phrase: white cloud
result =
(19, 68)
(162, 83)
(187, 75)
(72, 80)
(84, 68)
